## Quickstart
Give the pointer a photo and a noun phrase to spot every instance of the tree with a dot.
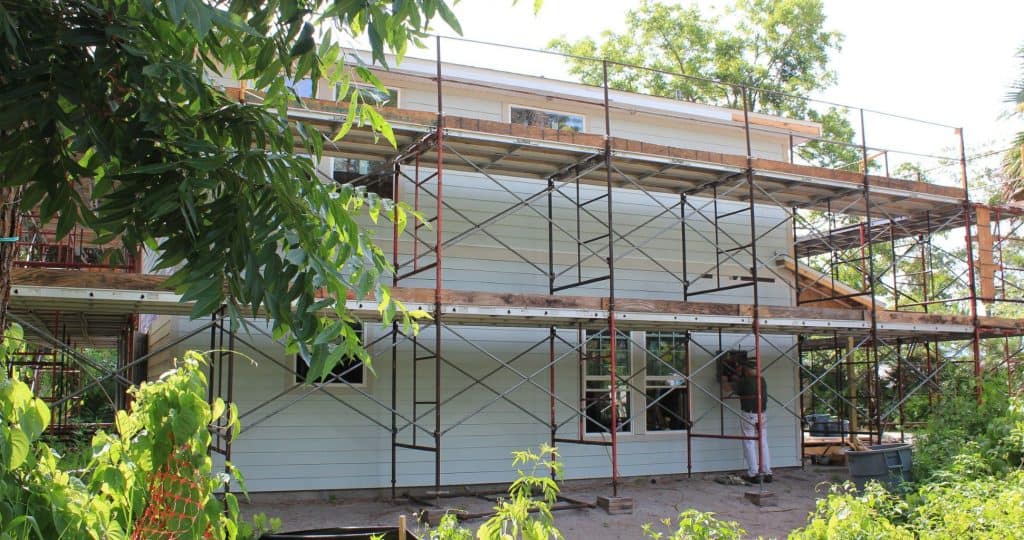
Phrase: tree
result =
(111, 98)
(778, 49)
(1013, 161)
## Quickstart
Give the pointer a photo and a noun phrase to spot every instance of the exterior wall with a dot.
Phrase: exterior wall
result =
(707, 132)
(318, 442)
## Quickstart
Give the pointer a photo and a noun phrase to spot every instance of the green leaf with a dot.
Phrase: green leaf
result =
(184, 424)
(19, 447)
(218, 408)
(34, 419)
(449, 17)
(305, 42)
(176, 9)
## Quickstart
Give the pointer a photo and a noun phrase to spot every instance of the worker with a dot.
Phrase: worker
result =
(746, 390)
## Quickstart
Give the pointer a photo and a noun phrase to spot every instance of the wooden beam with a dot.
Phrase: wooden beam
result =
(48, 277)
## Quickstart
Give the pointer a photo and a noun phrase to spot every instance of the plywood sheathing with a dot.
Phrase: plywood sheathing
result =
(986, 263)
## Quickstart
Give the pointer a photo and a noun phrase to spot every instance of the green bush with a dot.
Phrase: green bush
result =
(976, 492)
(849, 515)
(695, 524)
(160, 449)
(959, 425)
(522, 515)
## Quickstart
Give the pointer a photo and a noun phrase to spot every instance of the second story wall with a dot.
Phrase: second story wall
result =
(512, 255)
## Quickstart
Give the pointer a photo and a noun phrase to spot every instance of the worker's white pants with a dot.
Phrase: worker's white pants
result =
(749, 421)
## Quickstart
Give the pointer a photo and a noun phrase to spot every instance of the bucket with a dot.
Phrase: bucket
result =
(838, 428)
(888, 464)
(818, 424)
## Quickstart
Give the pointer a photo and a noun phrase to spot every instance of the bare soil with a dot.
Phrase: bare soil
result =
(795, 493)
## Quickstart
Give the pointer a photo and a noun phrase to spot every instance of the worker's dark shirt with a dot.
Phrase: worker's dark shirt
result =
(746, 389)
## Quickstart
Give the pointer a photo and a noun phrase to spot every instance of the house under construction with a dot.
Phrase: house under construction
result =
(592, 260)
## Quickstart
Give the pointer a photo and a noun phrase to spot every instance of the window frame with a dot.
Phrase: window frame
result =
(294, 378)
(636, 383)
(582, 117)
(626, 388)
(291, 84)
(683, 385)
(381, 184)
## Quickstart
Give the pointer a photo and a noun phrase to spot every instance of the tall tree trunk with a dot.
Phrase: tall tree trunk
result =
(10, 205)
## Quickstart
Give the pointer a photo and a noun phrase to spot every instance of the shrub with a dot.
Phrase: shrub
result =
(695, 524)
(849, 515)
(959, 421)
(522, 515)
(978, 492)
(152, 478)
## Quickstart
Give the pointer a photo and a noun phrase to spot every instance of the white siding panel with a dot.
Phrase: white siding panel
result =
(318, 443)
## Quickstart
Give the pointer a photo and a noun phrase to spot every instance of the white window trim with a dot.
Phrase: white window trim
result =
(637, 394)
(508, 111)
(632, 427)
(686, 385)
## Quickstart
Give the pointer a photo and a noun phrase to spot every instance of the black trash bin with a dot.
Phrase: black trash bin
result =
(889, 464)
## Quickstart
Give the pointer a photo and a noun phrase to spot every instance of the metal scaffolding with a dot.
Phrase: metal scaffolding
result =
(858, 238)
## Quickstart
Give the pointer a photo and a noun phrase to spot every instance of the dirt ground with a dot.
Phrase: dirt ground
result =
(654, 498)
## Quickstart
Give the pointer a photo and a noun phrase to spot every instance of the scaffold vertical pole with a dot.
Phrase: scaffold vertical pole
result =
(439, 231)
(755, 315)
(396, 194)
(972, 286)
(611, 285)
(551, 390)
(866, 239)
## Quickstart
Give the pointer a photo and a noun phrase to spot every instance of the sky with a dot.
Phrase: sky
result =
(950, 62)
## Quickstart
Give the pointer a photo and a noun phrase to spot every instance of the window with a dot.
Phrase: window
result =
(651, 386)
(598, 388)
(546, 119)
(665, 386)
(304, 88)
(349, 370)
(365, 172)
(369, 94)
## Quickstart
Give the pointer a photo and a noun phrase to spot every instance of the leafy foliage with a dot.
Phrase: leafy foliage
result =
(113, 98)
(154, 472)
(847, 514)
(977, 492)
(959, 425)
(1013, 161)
(449, 529)
(526, 513)
(514, 517)
(778, 49)
(696, 524)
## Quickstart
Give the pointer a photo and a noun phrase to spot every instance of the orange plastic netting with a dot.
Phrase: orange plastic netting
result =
(175, 505)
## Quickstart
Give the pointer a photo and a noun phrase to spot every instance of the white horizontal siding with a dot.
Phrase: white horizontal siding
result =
(484, 261)
(318, 443)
